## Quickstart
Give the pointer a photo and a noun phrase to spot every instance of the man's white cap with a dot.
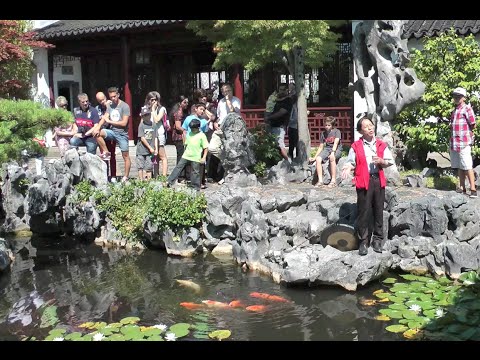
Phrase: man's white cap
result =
(460, 91)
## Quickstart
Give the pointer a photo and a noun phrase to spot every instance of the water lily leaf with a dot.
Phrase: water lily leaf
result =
(107, 331)
(394, 314)
(87, 325)
(382, 295)
(411, 333)
(444, 280)
(399, 287)
(116, 337)
(200, 335)
(384, 300)
(201, 326)
(130, 329)
(415, 295)
(99, 325)
(220, 334)
(433, 285)
(115, 325)
(74, 336)
(444, 302)
(396, 328)
(425, 279)
(409, 314)
(397, 299)
(51, 337)
(49, 317)
(135, 336)
(86, 338)
(397, 306)
(431, 314)
(152, 332)
(378, 291)
(414, 324)
(389, 281)
(403, 294)
(180, 329)
(57, 332)
(155, 338)
(130, 320)
(403, 321)
(409, 277)
(382, 318)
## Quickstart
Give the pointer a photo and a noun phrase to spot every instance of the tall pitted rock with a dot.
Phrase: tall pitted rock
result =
(239, 155)
(380, 44)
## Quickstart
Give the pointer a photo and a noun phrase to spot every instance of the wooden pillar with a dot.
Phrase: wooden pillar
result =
(237, 83)
(126, 88)
(50, 79)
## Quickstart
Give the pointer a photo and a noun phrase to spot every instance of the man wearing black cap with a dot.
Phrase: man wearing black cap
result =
(462, 123)
(195, 154)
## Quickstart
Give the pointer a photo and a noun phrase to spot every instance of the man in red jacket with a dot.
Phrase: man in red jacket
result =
(368, 156)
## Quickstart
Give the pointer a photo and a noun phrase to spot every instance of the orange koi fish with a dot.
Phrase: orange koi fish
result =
(236, 304)
(269, 297)
(256, 308)
(213, 303)
(191, 306)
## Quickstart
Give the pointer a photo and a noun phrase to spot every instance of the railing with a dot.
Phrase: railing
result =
(254, 117)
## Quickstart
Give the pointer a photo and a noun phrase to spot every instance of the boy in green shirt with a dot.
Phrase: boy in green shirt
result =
(195, 154)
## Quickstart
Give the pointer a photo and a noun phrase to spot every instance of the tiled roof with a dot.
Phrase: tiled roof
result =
(66, 28)
(420, 28)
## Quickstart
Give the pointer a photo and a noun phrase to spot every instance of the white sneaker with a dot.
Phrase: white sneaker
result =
(113, 180)
(221, 182)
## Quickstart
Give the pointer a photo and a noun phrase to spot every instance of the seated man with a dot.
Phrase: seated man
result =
(86, 117)
(330, 150)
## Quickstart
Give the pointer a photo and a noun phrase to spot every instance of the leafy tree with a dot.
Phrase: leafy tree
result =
(445, 62)
(16, 68)
(256, 43)
(23, 120)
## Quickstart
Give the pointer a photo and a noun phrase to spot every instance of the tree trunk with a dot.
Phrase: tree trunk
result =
(303, 148)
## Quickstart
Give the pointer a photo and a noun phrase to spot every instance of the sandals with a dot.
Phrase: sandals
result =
(332, 184)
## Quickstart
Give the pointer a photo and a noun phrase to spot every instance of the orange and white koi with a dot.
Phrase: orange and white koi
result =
(217, 304)
(256, 308)
(191, 306)
(236, 304)
(269, 297)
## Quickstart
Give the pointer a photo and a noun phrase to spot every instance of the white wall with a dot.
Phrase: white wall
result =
(76, 77)
(41, 84)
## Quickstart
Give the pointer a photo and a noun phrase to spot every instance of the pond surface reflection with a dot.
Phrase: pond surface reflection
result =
(90, 283)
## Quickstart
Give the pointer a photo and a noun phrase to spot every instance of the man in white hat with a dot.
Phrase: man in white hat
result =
(462, 123)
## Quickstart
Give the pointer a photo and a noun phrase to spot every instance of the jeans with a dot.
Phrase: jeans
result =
(90, 143)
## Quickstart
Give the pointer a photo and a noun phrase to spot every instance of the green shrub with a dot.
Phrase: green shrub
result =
(266, 151)
(128, 205)
(170, 209)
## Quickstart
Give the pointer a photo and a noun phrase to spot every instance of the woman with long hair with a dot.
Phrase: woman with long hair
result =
(178, 113)
(159, 118)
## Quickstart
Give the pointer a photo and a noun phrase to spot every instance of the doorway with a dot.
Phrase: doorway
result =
(69, 89)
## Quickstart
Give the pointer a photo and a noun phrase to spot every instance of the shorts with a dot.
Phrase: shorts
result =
(161, 136)
(461, 159)
(279, 132)
(144, 162)
(120, 139)
(326, 152)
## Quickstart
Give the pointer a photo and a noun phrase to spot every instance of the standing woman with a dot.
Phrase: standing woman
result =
(368, 156)
(178, 113)
(159, 118)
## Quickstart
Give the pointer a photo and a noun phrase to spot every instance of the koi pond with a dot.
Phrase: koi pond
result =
(59, 291)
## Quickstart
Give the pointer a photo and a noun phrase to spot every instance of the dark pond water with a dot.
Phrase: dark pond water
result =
(90, 283)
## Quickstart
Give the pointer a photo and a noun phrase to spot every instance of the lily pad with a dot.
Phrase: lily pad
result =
(389, 281)
(397, 306)
(220, 334)
(49, 317)
(130, 320)
(409, 314)
(74, 336)
(394, 314)
(180, 329)
(409, 277)
(155, 338)
(116, 337)
(396, 328)
(411, 334)
(57, 332)
(382, 318)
